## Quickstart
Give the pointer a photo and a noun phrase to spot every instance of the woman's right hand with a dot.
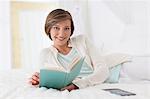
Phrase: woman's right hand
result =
(34, 80)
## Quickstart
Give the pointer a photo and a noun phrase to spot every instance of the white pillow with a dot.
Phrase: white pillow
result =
(138, 68)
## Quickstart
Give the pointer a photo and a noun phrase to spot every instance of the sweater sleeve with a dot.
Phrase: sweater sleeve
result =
(101, 71)
(46, 58)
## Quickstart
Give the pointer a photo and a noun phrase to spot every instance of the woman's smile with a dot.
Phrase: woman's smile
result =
(60, 38)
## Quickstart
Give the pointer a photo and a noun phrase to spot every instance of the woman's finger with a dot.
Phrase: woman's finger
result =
(32, 81)
(37, 74)
(35, 77)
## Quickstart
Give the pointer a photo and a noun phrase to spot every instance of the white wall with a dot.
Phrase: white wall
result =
(5, 35)
(122, 25)
(33, 37)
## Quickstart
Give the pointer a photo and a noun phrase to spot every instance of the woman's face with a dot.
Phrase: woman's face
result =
(60, 33)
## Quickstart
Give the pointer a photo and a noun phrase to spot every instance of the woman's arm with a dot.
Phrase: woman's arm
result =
(99, 75)
(100, 68)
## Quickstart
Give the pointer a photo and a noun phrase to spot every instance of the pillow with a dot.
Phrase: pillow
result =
(137, 69)
(114, 74)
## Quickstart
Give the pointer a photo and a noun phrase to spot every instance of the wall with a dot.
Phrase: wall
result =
(122, 25)
(5, 35)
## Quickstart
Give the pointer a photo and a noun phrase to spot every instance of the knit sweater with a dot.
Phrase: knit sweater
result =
(93, 57)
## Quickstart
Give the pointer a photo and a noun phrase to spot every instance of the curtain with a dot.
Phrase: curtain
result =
(123, 26)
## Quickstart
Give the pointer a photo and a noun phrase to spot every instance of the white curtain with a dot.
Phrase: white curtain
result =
(33, 37)
(122, 25)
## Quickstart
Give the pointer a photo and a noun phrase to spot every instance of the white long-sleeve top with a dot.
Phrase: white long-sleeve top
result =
(98, 62)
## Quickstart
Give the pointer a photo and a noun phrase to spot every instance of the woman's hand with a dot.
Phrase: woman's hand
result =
(34, 80)
(70, 87)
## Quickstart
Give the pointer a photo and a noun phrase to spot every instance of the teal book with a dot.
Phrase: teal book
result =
(58, 78)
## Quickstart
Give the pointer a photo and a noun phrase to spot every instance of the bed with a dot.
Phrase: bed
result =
(13, 85)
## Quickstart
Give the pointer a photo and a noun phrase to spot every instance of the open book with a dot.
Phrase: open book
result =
(58, 77)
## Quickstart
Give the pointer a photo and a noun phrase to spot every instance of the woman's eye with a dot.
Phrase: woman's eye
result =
(56, 28)
(67, 28)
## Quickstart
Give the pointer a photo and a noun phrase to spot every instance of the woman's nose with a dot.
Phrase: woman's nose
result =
(61, 33)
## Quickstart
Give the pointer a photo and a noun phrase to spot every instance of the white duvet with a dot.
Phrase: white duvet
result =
(13, 85)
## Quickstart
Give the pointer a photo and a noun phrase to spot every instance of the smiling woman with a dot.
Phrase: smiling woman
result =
(59, 27)
(60, 34)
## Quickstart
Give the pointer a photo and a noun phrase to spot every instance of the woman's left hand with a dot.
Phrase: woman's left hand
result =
(70, 87)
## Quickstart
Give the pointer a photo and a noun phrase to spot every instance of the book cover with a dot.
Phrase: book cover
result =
(119, 92)
(58, 78)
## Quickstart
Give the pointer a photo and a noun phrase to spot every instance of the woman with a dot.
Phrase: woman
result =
(59, 27)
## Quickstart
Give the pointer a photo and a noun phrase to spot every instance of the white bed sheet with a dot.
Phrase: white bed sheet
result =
(13, 85)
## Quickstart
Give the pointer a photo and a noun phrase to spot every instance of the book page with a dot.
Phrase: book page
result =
(74, 62)
(61, 69)
(74, 71)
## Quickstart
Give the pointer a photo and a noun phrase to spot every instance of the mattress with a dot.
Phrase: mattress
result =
(14, 85)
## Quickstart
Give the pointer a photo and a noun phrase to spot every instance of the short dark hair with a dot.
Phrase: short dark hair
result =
(56, 16)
